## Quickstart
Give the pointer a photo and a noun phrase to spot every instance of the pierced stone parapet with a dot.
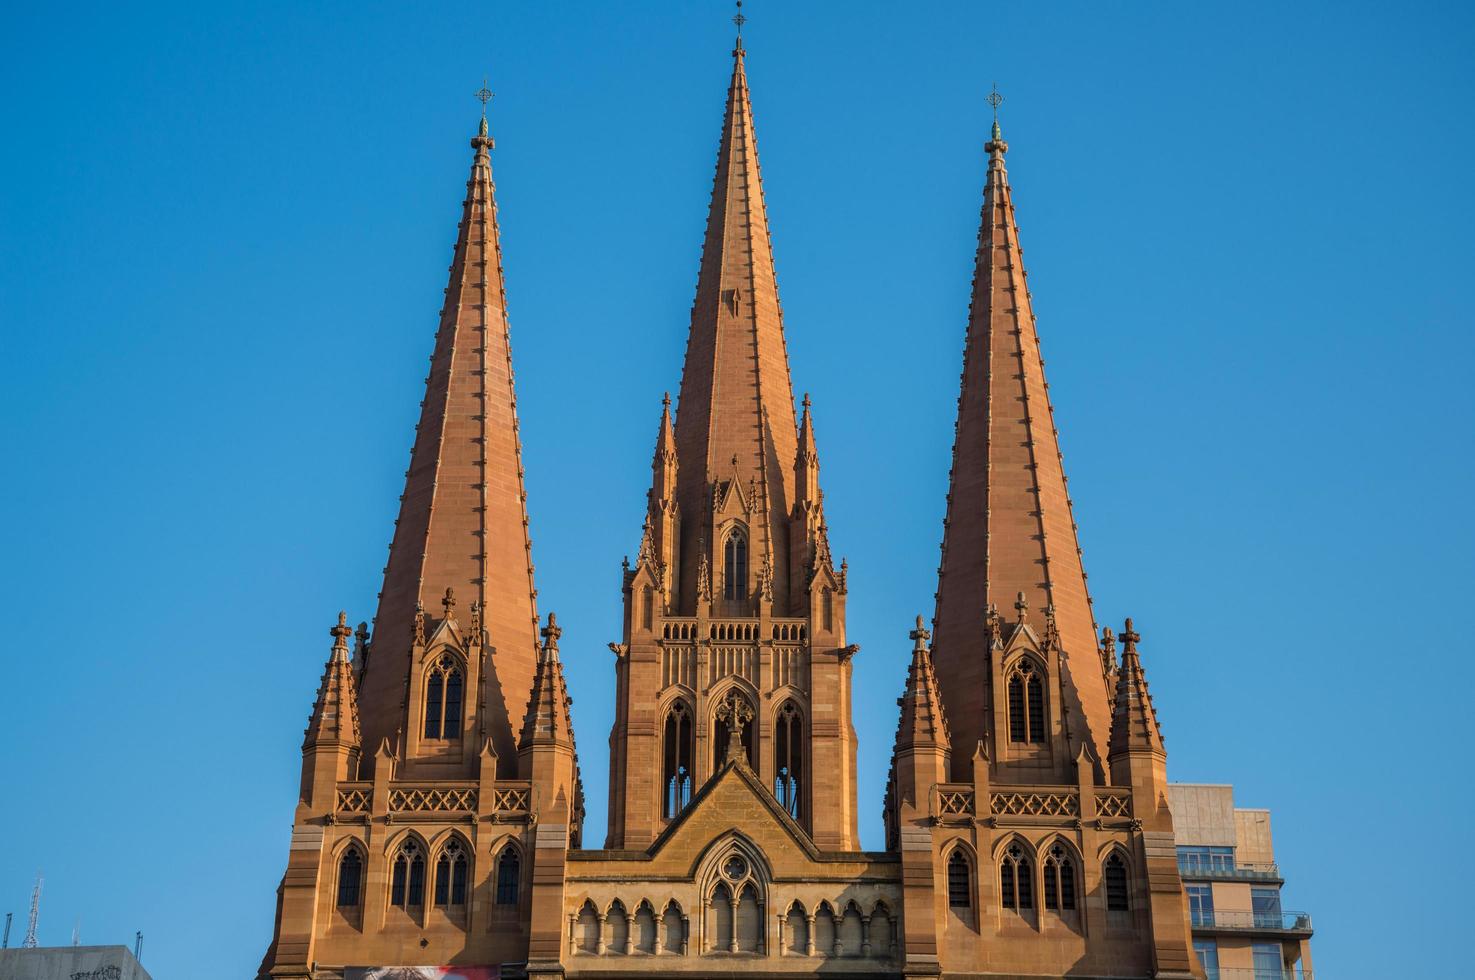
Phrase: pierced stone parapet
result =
(432, 799)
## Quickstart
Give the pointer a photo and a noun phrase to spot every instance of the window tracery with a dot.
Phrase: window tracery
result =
(350, 878)
(1060, 880)
(677, 765)
(788, 751)
(735, 565)
(444, 694)
(407, 879)
(959, 881)
(1016, 882)
(509, 877)
(450, 875)
(1026, 702)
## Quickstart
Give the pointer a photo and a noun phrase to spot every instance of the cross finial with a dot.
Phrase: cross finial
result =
(739, 19)
(995, 99)
(484, 94)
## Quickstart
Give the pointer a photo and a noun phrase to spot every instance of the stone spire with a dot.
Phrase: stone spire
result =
(1134, 726)
(335, 714)
(546, 721)
(923, 720)
(806, 462)
(735, 422)
(1009, 528)
(663, 462)
(462, 521)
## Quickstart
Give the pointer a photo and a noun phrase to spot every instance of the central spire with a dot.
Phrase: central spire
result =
(735, 425)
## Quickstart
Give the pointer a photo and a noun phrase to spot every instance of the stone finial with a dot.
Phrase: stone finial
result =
(1130, 638)
(341, 632)
(550, 634)
(1021, 606)
(448, 602)
(920, 635)
(735, 711)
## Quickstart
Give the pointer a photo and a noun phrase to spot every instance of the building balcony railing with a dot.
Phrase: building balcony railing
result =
(1241, 921)
(1264, 973)
(1191, 866)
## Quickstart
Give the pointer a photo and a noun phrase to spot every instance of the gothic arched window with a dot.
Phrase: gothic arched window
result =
(1016, 883)
(1115, 875)
(1060, 880)
(450, 876)
(509, 877)
(788, 759)
(407, 880)
(1026, 703)
(443, 699)
(350, 878)
(959, 881)
(735, 565)
(676, 774)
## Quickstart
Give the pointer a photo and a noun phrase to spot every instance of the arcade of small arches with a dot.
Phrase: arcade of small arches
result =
(1030, 879)
(734, 920)
(422, 877)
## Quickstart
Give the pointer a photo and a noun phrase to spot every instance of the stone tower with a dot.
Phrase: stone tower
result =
(1037, 858)
(734, 604)
(432, 753)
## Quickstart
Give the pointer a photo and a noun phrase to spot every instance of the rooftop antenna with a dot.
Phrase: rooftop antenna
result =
(5, 943)
(30, 940)
(138, 946)
(77, 932)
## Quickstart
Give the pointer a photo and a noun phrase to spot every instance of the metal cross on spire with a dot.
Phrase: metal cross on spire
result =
(485, 95)
(739, 19)
(995, 99)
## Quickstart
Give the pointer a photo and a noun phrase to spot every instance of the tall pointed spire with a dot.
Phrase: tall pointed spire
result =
(462, 521)
(1009, 527)
(923, 719)
(335, 714)
(1134, 724)
(736, 412)
(546, 721)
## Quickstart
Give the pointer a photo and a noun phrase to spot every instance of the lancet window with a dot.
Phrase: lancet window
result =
(1016, 882)
(444, 695)
(509, 877)
(959, 881)
(788, 759)
(735, 565)
(407, 878)
(1026, 702)
(676, 775)
(451, 872)
(1060, 880)
(350, 878)
(1114, 873)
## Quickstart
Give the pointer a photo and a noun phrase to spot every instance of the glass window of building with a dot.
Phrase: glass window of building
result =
(1205, 860)
(1266, 905)
(1200, 904)
(1207, 951)
(1269, 964)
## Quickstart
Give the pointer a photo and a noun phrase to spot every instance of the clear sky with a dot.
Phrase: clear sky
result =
(224, 236)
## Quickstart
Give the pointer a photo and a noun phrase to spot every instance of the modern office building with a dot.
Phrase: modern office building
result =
(1226, 858)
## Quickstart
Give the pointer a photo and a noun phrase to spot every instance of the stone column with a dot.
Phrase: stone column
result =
(685, 933)
(732, 932)
(573, 932)
(603, 933)
(779, 933)
(809, 938)
(865, 935)
(629, 932)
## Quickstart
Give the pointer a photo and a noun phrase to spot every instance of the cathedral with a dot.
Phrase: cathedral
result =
(440, 827)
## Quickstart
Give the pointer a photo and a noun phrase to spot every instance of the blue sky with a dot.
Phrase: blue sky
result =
(224, 236)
